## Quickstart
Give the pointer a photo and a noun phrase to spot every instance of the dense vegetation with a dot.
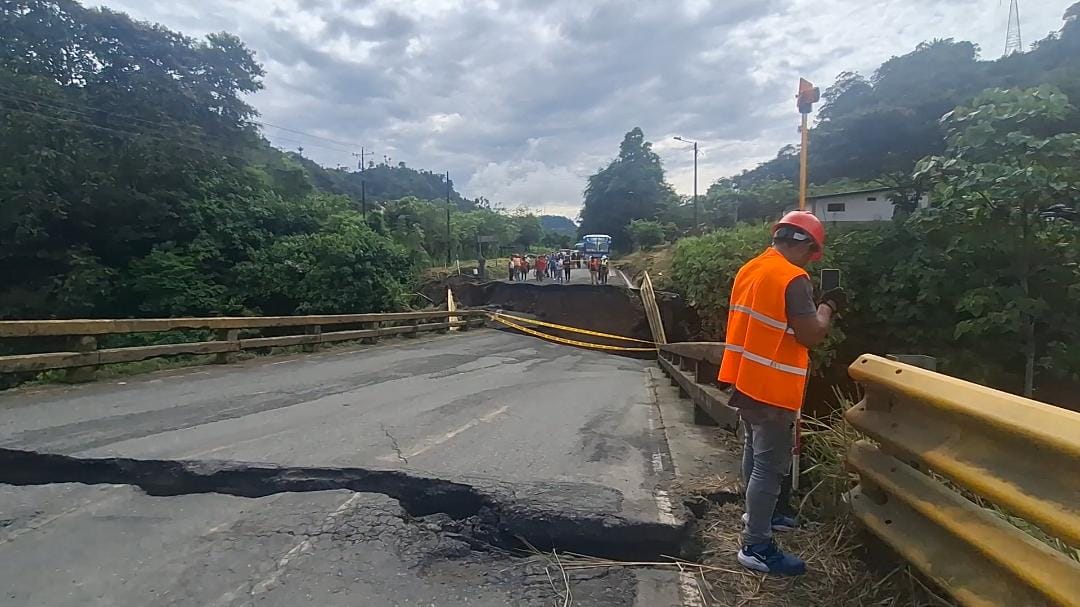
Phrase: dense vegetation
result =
(134, 182)
(987, 279)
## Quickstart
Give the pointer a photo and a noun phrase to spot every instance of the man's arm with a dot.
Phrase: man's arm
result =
(809, 321)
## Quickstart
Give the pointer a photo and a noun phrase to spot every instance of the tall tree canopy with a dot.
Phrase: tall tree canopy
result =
(631, 187)
(135, 182)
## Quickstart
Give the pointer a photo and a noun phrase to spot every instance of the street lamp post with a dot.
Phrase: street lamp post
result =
(448, 219)
(695, 229)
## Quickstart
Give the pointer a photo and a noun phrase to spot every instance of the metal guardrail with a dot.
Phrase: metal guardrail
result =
(693, 367)
(84, 356)
(939, 437)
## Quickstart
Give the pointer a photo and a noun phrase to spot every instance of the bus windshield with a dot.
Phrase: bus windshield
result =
(597, 244)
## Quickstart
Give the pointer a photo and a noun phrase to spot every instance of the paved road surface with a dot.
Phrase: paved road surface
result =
(488, 405)
(577, 277)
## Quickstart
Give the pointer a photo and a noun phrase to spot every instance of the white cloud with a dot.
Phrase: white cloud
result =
(521, 100)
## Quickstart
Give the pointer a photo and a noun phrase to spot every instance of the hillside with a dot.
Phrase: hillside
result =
(557, 224)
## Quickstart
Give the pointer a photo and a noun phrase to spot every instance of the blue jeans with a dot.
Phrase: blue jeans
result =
(766, 460)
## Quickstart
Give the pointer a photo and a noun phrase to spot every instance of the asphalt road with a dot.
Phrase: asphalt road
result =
(577, 277)
(479, 408)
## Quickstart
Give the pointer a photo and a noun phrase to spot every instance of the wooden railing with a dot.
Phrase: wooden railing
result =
(81, 356)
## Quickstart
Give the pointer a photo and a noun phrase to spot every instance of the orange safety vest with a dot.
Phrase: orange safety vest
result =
(761, 357)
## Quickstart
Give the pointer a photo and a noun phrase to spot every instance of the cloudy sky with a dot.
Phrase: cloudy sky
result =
(521, 100)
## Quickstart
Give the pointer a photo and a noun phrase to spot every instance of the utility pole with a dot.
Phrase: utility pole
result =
(695, 228)
(807, 97)
(363, 197)
(360, 165)
(448, 219)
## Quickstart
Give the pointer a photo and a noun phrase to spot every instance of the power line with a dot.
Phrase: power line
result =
(353, 146)
(69, 106)
(171, 128)
(132, 134)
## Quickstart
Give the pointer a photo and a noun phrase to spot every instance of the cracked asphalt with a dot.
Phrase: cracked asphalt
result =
(546, 419)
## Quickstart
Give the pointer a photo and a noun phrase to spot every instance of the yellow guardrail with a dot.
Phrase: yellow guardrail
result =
(940, 440)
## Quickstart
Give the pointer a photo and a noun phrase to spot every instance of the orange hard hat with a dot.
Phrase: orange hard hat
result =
(809, 223)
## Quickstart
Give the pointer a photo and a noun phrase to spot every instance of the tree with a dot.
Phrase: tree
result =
(631, 187)
(343, 268)
(645, 234)
(726, 203)
(1000, 171)
(134, 182)
(529, 231)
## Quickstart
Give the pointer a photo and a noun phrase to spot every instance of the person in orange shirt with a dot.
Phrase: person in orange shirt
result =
(773, 321)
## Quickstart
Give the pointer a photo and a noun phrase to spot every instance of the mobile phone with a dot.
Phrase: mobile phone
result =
(830, 279)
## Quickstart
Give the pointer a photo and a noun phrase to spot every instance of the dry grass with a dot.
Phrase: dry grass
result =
(838, 574)
(656, 260)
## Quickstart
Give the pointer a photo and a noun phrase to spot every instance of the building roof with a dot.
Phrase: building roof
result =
(849, 193)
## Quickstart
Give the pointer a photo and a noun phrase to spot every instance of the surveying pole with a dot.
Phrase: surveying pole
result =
(807, 97)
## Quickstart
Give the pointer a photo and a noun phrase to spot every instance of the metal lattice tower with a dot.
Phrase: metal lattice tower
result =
(1013, 42)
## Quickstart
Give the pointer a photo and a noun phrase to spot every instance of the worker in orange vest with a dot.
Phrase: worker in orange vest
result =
(772, 322)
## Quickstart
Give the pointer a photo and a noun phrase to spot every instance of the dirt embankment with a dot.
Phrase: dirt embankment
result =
(606, 309)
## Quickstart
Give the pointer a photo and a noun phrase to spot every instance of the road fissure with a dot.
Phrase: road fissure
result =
(484, 513)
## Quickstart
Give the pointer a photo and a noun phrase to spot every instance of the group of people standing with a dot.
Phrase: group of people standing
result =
(598, 270)
(555, 266)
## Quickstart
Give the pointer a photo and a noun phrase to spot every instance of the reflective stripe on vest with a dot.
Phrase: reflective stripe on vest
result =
(762, 358)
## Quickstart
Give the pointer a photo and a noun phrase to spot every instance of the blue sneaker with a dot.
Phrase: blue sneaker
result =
(768, 558)
(780, 522)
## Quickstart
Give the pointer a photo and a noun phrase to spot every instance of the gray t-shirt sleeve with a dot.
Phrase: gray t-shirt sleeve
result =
(799, 298)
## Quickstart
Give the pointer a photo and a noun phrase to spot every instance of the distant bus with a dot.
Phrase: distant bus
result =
(596, 245)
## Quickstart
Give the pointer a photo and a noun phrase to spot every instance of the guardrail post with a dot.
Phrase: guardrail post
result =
(224, 358)
(675, 361)
(372, 326)
(688, 364)
(414, 323)
(78, 375)
(706, 373)
(312, 330)
(465, 323)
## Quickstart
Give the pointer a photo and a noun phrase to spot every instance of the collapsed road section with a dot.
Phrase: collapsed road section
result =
(605, 308)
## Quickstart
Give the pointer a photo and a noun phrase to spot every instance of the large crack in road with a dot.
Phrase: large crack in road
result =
(484, 513)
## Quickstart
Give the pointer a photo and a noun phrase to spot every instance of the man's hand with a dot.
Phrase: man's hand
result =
(835, 299)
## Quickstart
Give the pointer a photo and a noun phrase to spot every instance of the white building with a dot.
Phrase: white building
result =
(856, 206)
